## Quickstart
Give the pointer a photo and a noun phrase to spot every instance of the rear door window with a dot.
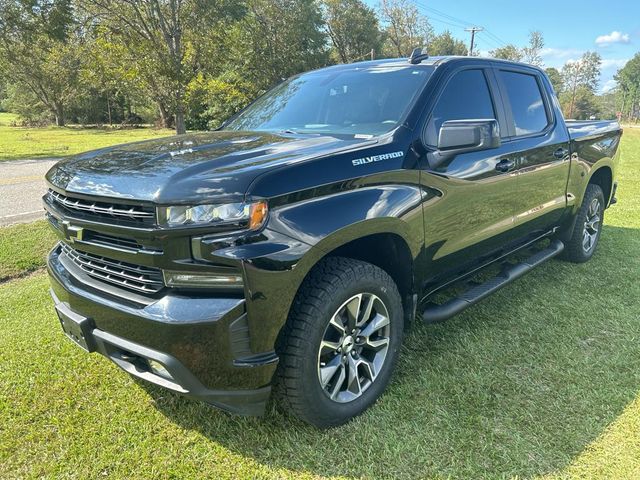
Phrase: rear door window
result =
(527, 102)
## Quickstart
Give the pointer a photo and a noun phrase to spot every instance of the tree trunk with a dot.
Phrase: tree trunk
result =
(573, 99)
(109, 110)
(165, 118)
(180, 127)
(59, 114)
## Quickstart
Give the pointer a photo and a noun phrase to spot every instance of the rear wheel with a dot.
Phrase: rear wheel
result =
(341, 342)
(586, 232)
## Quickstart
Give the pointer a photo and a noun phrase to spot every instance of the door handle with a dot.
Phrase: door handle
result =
(505, 165)
(561, 153)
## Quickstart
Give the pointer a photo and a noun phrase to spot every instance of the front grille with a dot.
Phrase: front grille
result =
(126, 275)
(102, 210)
(111, 241)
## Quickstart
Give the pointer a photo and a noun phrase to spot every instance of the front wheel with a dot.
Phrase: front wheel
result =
(586, 232)
(341, 342)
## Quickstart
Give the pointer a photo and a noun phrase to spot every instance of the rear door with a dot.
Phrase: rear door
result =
(537, 146)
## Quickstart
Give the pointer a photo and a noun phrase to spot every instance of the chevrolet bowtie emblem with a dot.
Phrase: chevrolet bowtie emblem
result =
(71, 232)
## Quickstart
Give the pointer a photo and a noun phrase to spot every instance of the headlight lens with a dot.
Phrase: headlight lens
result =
(231, 281)
(251, 215)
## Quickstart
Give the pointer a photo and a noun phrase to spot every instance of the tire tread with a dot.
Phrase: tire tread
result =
(573, 251)
(331, 276)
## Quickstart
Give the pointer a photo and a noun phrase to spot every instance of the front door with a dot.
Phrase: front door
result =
(471, 212)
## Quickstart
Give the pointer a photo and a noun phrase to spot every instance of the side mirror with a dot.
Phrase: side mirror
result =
(461, 136)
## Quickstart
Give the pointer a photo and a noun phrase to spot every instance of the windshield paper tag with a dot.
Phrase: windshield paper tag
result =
(376, 158)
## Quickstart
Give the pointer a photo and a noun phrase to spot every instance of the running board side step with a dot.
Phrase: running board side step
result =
(439, 312)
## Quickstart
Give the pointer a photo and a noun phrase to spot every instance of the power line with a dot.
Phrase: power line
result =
(450, 20)
(493, 43)
(463, 23)
(445, 22)
(456, 22)
(495, 37)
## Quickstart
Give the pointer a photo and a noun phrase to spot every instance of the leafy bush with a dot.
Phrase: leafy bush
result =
(213, 100)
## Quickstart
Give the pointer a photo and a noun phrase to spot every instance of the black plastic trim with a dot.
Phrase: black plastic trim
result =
(434, 313)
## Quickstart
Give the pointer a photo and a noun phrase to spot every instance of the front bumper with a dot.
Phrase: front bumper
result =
(201, 341)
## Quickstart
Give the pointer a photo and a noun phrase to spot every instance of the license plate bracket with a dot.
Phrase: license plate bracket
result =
(76, 327)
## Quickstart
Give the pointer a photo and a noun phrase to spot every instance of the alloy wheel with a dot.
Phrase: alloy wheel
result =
(591, 226)
(354, 347)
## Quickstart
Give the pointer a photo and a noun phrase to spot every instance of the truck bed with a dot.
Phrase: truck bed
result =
(578, 129)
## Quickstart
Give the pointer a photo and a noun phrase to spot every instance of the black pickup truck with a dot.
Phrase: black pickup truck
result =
(289, 250)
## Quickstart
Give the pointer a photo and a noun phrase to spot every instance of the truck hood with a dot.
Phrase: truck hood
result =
(189, 168)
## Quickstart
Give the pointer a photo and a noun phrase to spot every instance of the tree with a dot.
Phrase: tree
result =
(40, 52)
(531, 53)
(405, 27)
(583, 73)
(508, 52)
(274, 40)
(585, 103)
(556, 79)
(353, 29)
(277, 39)
(445, 44)
(628, 78)
(608, 104)
(162, 40)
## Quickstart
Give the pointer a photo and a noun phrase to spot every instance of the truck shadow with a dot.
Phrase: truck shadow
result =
(518, 385)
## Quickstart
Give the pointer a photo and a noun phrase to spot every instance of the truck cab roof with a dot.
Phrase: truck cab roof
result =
(434, 61)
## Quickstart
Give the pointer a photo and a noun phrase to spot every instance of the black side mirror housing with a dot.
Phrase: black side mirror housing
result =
(461, 136)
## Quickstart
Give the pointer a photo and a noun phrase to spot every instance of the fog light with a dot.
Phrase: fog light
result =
(202, 280)
(159, 369)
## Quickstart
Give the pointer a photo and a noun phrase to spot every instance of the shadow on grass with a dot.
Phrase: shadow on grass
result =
(517, 385)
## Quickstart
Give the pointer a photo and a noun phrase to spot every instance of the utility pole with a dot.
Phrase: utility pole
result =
(473, 31)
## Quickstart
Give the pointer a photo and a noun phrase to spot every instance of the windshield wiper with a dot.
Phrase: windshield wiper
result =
(295, 132)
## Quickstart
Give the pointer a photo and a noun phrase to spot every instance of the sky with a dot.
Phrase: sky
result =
(570, 28)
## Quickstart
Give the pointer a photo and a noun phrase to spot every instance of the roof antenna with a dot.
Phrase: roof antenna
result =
(417, 56)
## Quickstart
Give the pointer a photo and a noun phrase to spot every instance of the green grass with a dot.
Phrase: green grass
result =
(56, 142)
(540, 379)
(23, 248)
(7, 119)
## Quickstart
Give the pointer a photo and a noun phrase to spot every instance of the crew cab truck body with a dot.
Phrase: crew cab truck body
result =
(292, 246)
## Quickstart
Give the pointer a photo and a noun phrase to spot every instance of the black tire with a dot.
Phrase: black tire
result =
(332, 284)
(576, 247)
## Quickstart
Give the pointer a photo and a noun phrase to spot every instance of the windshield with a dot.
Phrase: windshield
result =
(360, 101)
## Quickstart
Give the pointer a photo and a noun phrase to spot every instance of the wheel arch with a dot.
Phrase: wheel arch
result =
(603, 177)
(389, 252)
(386, 248)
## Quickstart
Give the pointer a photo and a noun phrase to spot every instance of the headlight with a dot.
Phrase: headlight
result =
(245, 215)
(229, 281)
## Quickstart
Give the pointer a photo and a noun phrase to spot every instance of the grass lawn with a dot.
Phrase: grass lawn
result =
(23, 248)
(55, 142)
(541, 379)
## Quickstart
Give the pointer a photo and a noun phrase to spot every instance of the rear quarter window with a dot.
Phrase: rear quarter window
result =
(527, 102)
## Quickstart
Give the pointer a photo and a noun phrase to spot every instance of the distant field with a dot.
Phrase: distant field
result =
(56, 142)
(541, 380)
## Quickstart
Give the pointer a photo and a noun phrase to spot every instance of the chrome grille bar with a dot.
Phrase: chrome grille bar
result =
(133, 212)
(125, 275)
